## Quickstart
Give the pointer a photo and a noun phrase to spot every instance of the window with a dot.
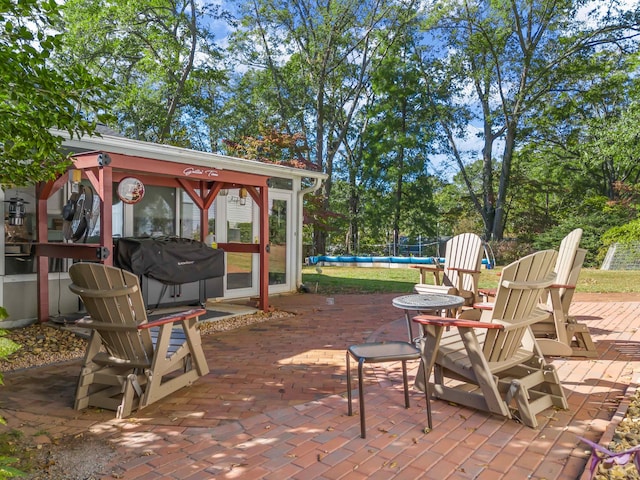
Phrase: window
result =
(155, 214)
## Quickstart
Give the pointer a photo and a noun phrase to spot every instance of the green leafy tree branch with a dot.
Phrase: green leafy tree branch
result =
(37, 97)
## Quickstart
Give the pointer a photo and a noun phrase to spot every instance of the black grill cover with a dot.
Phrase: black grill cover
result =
(169, 260)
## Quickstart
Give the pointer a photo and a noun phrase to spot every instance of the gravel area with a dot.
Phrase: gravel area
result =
(626, 436)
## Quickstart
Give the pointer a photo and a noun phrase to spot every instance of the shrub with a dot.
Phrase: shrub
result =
(508, 251)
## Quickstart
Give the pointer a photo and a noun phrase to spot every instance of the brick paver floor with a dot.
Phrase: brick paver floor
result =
(274, 406)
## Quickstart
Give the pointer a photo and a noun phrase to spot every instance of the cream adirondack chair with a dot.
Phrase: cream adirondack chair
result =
(131, 362)
(559, 334)
(461, 272)
(497, 365)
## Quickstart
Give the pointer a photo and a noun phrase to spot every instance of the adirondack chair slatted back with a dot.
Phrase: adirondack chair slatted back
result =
(513, 302)
(113, 299)
(520, 287)
(568, 265)
(462, 251)
(502, 345)
(566, 294)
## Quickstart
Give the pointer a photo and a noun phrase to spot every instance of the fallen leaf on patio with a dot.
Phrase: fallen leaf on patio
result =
(147, 453)
(393, 464)
(462, 416)
(414, 440)
(394, 435)
(234, 465)
(329, 429)
(383, 430)
(292, 455)
(320, 457)
(267, 427)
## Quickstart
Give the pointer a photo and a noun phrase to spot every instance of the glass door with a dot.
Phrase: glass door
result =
(279, 238)
(241, 218)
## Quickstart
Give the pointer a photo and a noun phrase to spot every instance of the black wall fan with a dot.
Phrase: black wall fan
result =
(79, 214)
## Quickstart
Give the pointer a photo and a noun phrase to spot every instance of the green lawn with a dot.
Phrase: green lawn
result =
(333, 280)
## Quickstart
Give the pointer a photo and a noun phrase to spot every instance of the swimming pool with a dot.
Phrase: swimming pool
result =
(346, 260)
(372, 261)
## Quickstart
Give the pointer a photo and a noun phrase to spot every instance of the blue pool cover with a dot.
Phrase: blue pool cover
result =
(313, 260)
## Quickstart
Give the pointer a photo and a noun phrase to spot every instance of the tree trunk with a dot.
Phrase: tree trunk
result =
(505, 174)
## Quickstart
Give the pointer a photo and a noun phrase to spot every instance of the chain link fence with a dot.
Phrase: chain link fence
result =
(622, 256)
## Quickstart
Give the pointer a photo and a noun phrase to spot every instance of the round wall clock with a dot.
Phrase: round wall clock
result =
(130, 190)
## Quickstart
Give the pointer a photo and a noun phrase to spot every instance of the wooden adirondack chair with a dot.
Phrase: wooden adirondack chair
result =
(461, 272)
(559, 333)
(131, 362)
(497, 365)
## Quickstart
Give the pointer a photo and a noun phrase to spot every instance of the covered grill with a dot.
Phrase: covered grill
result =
(172, 270)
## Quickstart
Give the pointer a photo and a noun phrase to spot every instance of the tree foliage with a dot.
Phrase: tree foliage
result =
(516, 119)
(37, 96)
(319, 56)
(162, 56)
(510, 55)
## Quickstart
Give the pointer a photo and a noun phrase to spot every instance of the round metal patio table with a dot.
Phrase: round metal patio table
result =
(432, 303)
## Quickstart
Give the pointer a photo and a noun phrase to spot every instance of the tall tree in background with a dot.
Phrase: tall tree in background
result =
(333, 45)
(511, 54)
(399, 139)
(36, 96)
(161, 54)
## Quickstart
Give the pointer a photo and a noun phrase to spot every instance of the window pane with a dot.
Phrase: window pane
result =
(239, 270)
(278, 242)
(239, 230)
(117, 213)
(155, 215)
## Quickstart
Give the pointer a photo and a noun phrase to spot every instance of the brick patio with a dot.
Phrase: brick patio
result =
(274, 406)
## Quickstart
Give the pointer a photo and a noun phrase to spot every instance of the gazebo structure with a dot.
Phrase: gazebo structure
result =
(200, 176)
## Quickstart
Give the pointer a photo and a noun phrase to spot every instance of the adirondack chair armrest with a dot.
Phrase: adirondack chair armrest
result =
(465, 270)
(484, 305)
(89, 322)
(434, 269)
(454, 322)
(557, 285)
(174, 317)
(105, 293)
(487, 292)
(431, 268)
